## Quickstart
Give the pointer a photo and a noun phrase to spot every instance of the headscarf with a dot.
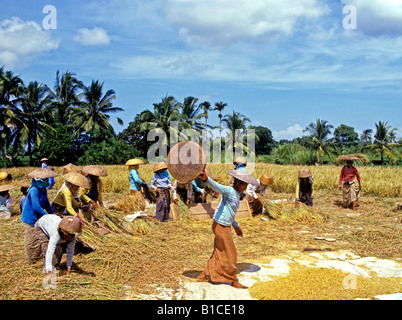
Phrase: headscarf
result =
(38, 183)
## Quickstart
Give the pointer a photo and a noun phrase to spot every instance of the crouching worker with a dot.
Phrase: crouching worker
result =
(222, 266)
(305, 188)
(93, 194)
(254, 193)
(51, 232)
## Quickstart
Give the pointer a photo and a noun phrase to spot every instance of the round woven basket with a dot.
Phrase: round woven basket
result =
(186, 160)
(42, 174)
(94, 171)
(77, 179)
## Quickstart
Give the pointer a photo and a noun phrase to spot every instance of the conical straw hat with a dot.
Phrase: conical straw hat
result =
(186, 160)
(243, 176)
(133, 162)
(304, 173)
(42, 174)
(23, 183)
(71, 224)
(77, 179)
(266, 179)
(94, 171)
(159, 166)
(3, 175)
(70, 168)
(6, 187)
(240, 160)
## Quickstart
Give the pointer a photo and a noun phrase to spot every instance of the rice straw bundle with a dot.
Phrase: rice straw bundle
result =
(358, 157)
(131, 203)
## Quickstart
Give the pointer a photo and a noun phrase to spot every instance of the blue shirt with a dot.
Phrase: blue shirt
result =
(241, 167)
(35, 205)
(162, 180)
(230, 202)
(51, 183)
(135, 181)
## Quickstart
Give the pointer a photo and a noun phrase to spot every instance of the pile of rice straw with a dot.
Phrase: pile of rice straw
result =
(304, 283)
(288, 212)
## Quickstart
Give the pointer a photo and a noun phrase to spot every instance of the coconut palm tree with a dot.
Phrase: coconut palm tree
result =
(206, 106)
(191, 113)
(65, 98)
(31, 117)
(319, 132)
(161, 120)
(382, 144)
(10, 89)
(219, 106)
(93, 112)
(366, 135)
(236, 122)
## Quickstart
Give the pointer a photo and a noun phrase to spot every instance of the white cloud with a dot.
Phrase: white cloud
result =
(378, 17)
(290, 133)
(218, 23)
(92, 37)
(21, 41)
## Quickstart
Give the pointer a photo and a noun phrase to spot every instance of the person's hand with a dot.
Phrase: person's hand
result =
(68, 270)
(176, 201)
(203, 176)
(297, 203)
(94, 204)
(239, 232)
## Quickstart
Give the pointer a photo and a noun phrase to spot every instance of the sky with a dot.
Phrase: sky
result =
(282, 64)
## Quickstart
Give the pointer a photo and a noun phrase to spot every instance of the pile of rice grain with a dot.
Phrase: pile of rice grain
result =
(304, 283)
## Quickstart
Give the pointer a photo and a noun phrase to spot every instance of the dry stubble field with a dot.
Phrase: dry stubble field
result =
(168, 252)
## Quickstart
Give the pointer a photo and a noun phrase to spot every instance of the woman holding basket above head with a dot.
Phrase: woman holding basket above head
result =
(221, 267)
(64, 202)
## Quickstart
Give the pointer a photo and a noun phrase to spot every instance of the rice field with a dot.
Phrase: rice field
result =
(138, 258)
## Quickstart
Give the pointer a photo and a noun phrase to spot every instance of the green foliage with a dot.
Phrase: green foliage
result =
(112, 151)
(293, 154)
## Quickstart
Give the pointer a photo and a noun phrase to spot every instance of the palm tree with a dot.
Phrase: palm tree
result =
(31, 118)
(366, 135)
(382, 144)
(191, 113)
(235, 122)
(10, 89)
(206, 106)
(321, 143)
(219, 106)
(64, 98)
(165, 113)
(92, 114)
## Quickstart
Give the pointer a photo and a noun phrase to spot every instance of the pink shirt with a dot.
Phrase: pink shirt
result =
(348, 174)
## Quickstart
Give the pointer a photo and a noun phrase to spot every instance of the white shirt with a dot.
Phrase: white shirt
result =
(5, 204)
(253, 190)
(49, 223)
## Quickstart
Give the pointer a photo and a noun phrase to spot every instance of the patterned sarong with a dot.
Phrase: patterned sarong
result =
(221, 267)
(351, 193)
(163, 204)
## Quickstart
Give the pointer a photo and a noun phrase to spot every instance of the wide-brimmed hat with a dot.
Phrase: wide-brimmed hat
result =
(70, 168)
(134, 162)
(42, 173)
(186, 160)
(71, 224)
(23, 183)
(243, 176)
(6, 187)
(159, 166)
(266, 179)
(44, 159)
(94, 171)
(240, 160)
(77, 179)
(3, 175)
(304, 173)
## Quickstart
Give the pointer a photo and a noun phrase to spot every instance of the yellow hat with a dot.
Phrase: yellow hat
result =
(94, 171)
(133, 162)
(3, 175)
(266, 179)
(77, 179)
(159, 166)
(44, 159)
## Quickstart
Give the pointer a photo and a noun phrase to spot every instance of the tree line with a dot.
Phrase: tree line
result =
(71, 123)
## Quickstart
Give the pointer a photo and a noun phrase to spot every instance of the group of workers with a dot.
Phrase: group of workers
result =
(46, 227)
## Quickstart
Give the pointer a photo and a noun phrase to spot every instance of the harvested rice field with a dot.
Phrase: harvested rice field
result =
(145, 259)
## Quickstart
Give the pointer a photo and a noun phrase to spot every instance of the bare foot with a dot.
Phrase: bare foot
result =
(237, 285)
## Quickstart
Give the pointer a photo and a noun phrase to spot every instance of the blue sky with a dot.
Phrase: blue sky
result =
(282, 64)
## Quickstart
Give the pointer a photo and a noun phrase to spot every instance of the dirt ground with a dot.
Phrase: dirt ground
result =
(176, 251)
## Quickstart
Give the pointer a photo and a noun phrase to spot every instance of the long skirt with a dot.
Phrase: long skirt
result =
(163, 204)
(221, 267)
(32, 247)
(351, 193)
